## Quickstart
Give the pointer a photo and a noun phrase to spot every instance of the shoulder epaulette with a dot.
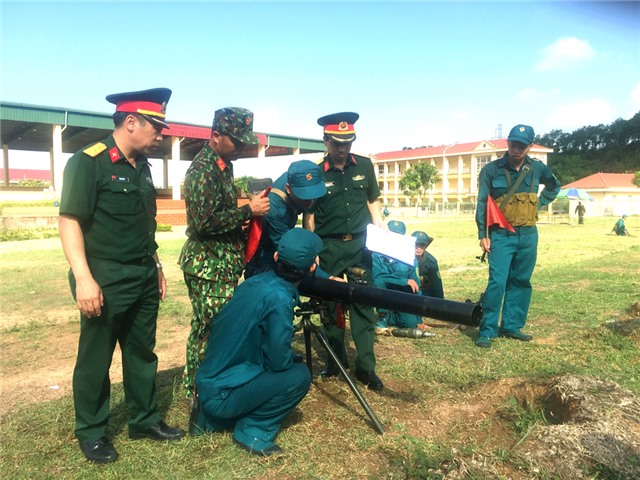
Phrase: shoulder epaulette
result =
(95, 149)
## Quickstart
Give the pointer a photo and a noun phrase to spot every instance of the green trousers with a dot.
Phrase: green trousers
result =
(128, 317)
(511, 263)
(337, 258)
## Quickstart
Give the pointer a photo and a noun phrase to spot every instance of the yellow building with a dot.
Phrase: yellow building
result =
(458, 168)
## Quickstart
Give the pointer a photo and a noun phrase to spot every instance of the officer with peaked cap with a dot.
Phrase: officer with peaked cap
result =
(392, 274)
(248, 380)
(340, 218)
(513, 182)
(295, 191)
(107, 228)
(428, 269)
(212, 258)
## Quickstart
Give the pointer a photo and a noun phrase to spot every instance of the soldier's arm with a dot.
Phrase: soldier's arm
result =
(375, 207)
(308, 221)
(88, 293)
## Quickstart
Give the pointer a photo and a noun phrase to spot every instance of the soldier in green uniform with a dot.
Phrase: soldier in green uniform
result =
(107, 229)
(428, 269)
(340, 218)
(213, 257)
(512, 182)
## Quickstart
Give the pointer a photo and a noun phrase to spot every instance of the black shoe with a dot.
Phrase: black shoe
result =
(370, 379)
(99, 451)
(298, 358)
(264, 453)
(331, 370)
(159, 431)
(517, 335)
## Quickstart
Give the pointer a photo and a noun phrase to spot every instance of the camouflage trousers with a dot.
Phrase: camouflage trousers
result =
(206, 303)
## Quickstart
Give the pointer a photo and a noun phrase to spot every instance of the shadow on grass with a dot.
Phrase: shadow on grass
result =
(167, 381)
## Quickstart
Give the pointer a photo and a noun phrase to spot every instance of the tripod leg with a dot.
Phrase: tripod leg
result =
(377, 426)
(307, 348)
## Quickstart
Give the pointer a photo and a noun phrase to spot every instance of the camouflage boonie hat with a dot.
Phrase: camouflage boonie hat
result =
(237, 123)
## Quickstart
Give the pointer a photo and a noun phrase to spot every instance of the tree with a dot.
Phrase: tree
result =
(242, 185)
(419, 178)
(636, 179)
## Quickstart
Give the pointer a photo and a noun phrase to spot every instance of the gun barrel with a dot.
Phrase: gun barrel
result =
(446, 310)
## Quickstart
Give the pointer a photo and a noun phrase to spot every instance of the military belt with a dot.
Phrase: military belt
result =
(345, 237)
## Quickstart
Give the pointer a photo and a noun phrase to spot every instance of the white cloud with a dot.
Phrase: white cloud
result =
(635, 95)
(532, 94)
(563, 53)
(460, 115)
(581, 114)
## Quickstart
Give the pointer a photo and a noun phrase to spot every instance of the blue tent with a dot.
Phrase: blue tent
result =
(574, 194)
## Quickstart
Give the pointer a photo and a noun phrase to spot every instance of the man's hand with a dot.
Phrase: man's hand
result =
(413, 284)
(259, 206)
(89, 297)
(162, 284)
(337, 279)
(485, 245)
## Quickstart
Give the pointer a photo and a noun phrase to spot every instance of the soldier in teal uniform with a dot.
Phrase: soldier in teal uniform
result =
(213, 257)
(295, 191)
(619, 228)
(513, 183)
(107, 229)
(248, 381)
(340, 218)
(392, 274)
(428, 269)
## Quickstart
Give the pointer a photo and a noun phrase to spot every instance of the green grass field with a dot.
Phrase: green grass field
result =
(450, 409)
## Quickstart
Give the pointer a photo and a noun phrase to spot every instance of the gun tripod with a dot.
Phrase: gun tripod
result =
(305, 311)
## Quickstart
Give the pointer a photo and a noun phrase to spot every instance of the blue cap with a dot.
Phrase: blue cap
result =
(422, 238)
(299, 248)
(305, 180)
(397, 227)
(522, 133)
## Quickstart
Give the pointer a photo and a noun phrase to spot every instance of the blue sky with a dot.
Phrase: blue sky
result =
(418, 73)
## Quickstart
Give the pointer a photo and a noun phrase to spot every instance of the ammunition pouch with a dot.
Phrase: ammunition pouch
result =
(521, 209)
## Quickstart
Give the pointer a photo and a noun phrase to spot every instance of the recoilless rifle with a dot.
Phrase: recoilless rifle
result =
(321, 290)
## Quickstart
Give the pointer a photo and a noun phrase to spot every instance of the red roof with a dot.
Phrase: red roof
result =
(495, 144)
(18, 174)
(604, 180)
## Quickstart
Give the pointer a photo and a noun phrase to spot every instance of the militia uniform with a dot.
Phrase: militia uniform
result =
(248, 381)
(392, 274)
(305, 182)
(114, 203)
(213, 257)
(428, 269)
(619, 228)
(340, 219)
(512, 256)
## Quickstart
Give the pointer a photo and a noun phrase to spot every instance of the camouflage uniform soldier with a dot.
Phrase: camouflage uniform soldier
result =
(212, 258)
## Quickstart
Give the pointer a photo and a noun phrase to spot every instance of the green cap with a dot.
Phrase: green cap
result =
(305, 180)
(299, 247)
(397, 227)
(422, 238)
(237, 123)
(522, 133)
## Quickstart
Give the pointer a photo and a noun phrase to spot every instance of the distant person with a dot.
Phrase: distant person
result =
(213, 256)
(248, 381)
(294, 192)
(385, 212)
(512, 182)
(580, 210)
(428, 269)
(107, 229)
(619, 228)
(394, 275)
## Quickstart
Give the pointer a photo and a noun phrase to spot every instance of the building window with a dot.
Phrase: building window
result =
(482, 161)
(381, 170)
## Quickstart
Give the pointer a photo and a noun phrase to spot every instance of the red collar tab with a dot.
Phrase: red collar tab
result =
(353, 159)
(144, 108)
(327, 166)
(221, 164)
(114, 154)
(342, 128)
